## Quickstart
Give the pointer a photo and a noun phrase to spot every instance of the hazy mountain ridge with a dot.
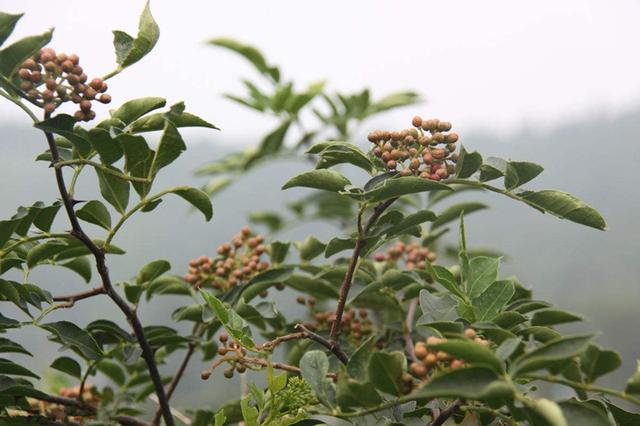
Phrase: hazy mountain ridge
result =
(591, 272)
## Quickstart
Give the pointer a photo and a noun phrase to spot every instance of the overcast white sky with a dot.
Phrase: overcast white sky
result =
(489, 64)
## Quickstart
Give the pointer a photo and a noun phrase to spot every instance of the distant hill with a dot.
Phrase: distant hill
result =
(591, 272)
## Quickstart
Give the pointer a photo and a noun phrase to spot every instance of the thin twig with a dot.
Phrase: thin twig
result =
(86, 408)
(446, 413)
(348, 278)
(175, 380)
(101, 266)
(277, 365)
(335, 349)
(408, 335)
(285, 338)
(72, 298)
(583, 386)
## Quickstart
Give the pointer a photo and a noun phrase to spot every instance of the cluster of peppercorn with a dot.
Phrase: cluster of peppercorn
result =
(235, 364)
(49, 79)
(238, 262)
(413, 254)
(355, 325)
(427, 150)
(428, 360)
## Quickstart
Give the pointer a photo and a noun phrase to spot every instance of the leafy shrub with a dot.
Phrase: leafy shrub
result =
(392, 335)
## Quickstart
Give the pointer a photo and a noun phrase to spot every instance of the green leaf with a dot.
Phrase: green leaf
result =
(508, 319)
(491, 302)
(471, 352)
(584, 413)
(392, 101)
(197, 198)
(105, 332)
(7, 345)
(95, 212)
(273, 221)
(154, 122)
(397, 187)
(232, 322)
(113, 189)
(336, 245)
(596, 362)
(81, 266)
(508, 348)
(169, 149)
(564, 206)
(12, 56)
(112, 370)
(327, 180)
(250, 414)
(453, 212)
(493, 168)
(313, 286)
(152, 270)
(250, 53)
(7, 228)
(314, 367)
(220, 418)
(296, 102)
(64, 125)
(130, 50)
(264, 280)
(544, 412)
(278, 251)
(520, 172)
(622, 417)
(546, 317)
(109, 149)
(272, 143)
(7, 24)
(168, 284)
(477, 383)
(385, 371)
(310, 248)
(443, 276)
(437, 308)
(351, 393)
(357, 366)
(410, 221)
(633, 384)
(45, 251)
(10, 368)
(483, 271)
(131, 110)
(44, 219)
(67, 365)
(333, 153)
(72, 335)
(550, 353)
(7, 322)
(468, 163)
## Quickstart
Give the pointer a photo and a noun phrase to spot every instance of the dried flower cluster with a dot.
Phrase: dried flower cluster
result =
(414, 255)
(238, 261)
(49, 79)
(427, 150)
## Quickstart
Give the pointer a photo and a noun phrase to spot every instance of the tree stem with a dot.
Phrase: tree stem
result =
(336, 327)
(101, 266)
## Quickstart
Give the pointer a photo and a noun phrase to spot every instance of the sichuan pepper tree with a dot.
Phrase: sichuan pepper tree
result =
(391, 334)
